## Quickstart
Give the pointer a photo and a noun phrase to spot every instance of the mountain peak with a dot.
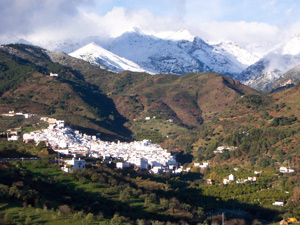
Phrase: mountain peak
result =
(99, 56)
(92, 47)
(179, 35)
(182, 35)
(23, 41)
(133, 30)
(137, 30)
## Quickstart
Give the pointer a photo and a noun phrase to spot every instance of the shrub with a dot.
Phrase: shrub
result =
(28, 220)
(64, 209)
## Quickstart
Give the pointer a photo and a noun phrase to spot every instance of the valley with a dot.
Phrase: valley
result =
(189, 115)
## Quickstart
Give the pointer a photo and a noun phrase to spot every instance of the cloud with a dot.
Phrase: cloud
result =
(25, 16)
(180, 10)
(40, 21)
(240, 32)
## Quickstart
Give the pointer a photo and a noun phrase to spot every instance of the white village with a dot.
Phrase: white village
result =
(66, 141)
(142, 155)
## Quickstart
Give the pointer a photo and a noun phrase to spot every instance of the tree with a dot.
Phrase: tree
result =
(8, 218)
(164, 203)
(200, 213)
(41, 146)
(28, 220)
(58, 214)
(199, 154)
(82, 180)
(296, 195)
(140, 222)
(64, 209)
(21, 215)
(94, 177)
(173, 204)
(186, 207)
(125, 195)
(156, 222)
(4, 190)
(264, 163)
(152, 197)
(89, 218)
(117, 219)
(147, 201)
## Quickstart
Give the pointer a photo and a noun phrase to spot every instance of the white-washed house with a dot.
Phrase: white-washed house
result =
(73, 164)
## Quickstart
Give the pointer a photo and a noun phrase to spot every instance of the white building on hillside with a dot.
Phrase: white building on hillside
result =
(286, 170)
(53, 75)
(13, 138)
(122, 165)
(278, 203)
(225, 181)
(231, 177)
(139, 162)
(73, 164)
(252, 179)
(157, 169)
(204, 165)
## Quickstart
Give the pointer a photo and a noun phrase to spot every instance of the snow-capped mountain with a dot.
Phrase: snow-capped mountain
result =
(260, 49)
(236, 53)
(225, 57)
(167, 52)
(290, 78)
(97, 55)
(262, 74)
(176, 35)
(155, 54)
(180, 53)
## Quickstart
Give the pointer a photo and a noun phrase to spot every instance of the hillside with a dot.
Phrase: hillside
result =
(39, 192)
(178, 108)
(187, 100)
(26, 86)
(95, 100)
(265, 73)
(265, 130)
(288, 79)
(190, 115)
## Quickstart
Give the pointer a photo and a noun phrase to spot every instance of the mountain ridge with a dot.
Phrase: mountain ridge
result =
(188, 100)
(278, 61)
(99, 56)
(181, 53)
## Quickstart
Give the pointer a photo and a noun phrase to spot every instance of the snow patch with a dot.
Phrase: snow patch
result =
(97, 55)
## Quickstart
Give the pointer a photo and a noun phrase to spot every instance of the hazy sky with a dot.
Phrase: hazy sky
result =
(243, 21)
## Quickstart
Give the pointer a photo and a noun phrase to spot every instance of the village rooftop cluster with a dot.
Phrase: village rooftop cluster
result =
(140, 154)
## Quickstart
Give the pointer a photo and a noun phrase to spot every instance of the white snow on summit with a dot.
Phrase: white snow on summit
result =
(180, 53)
(176, 35)
(292, 47)
(236, 52)
(97, 55)
(282, 58)
(154, 54)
